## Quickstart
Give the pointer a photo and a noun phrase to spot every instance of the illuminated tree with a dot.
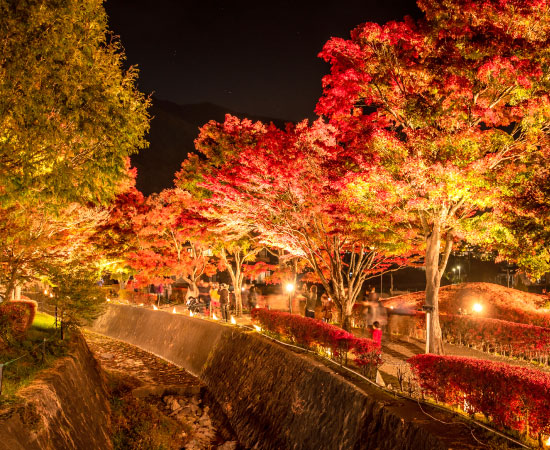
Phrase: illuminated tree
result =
(69, 114)
(36, 242)
(171, 241)
(524, 220)
(281, 187)
(115, 238)
(435, 115)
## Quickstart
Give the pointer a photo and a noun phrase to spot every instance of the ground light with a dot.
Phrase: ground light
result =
(174, 310)
(214, 317)
(547, 443)
(233, 321)
(257, 328)
(478, 307)
(155, 308)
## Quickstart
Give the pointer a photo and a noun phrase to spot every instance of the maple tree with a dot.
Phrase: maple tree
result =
(436, 116)
(37, 242)
(117, 236)
(170, 241)
(279, 187)
(69, 113)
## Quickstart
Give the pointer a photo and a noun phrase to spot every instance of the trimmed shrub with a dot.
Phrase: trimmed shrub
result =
(20, 314)
(313, 333)
(510, 396)
(514, 339)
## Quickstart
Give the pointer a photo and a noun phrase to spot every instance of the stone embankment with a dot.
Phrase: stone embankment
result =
(275, 398)
(66, 407)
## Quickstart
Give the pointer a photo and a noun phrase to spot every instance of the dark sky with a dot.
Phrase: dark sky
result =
(257, 57)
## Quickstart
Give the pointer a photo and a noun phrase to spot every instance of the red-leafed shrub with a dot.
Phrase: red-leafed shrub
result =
(515, 339)
(312, 333)
(19, 313)
(510, 396)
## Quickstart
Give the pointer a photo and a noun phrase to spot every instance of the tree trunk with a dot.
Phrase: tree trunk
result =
(433, 281)
(347, 314)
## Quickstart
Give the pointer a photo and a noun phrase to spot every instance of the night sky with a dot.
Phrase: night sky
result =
(255, 57)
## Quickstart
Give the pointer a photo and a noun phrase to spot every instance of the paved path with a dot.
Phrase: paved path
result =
(395, 353)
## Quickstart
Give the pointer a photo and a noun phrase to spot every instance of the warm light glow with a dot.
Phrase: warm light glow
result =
(141, 304)
(289, 287)
(233, 321)
(214, 317)
(51, 295)
(547, 443)
(45, 292)
(155, 308)
(242, 289)
(478, 307)
(174, 310)
(108, 299)
(191, 313)
(257, 328)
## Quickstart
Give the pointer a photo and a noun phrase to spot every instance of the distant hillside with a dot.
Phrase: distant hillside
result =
(173, 129)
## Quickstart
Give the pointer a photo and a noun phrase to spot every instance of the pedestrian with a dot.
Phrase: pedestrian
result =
(253, 296)
(204, 294)
(373, 296)
(377, 333)
(244, 296)
(160, 290)
(327, 308)
(224, 301)
(214, 296)
(380, 315)
(311, 301)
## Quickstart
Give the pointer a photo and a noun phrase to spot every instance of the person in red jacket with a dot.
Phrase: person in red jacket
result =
(377, 333)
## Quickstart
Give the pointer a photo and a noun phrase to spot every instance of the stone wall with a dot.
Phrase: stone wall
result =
(275, 398)
(66, 407)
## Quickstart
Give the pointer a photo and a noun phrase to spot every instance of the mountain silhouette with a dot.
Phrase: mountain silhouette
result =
(173, 130)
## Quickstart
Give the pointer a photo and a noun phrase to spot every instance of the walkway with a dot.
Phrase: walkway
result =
(396, 352)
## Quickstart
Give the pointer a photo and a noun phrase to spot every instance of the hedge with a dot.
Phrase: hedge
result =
(511, 397)
(312, 333)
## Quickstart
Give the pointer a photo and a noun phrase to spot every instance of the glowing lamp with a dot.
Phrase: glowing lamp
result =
(155, 308)
(289, 287)
(191, 314)
(51, 295)
(233, 321)
(547, 443)
(108, 299)
(214, 317)
(45, 292)
(174, 310)
(257, 328)
(478, 307)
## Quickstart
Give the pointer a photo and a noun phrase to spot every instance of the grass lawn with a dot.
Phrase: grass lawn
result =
(23, 359)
